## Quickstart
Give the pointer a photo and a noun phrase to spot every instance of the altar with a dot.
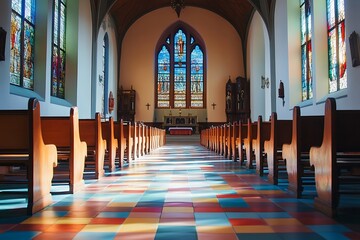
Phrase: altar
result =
(180, 130)
(180, 125)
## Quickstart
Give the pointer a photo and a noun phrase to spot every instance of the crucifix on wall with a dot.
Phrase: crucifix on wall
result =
(147, 105)
(213, 105)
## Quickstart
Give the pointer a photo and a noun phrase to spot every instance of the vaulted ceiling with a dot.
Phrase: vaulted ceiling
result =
(236, 12)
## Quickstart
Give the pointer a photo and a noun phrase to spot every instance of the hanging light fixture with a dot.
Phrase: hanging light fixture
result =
(177, 5)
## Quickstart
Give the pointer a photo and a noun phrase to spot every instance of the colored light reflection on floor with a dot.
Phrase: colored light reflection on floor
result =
(179, 191)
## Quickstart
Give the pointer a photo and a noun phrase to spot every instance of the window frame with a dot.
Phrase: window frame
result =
(335, 28)
(59, 50)
(32, 23)
(306, 71)
(190, 46)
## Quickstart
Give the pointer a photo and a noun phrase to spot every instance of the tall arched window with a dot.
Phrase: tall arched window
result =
(306, 49)
(337, 45)
(105, 75)
(180, 69)
(22, 41)
(59, 49)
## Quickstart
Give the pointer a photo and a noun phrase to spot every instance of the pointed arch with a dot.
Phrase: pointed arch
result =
(180, 71)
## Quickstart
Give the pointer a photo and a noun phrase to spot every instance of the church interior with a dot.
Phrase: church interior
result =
(179, 119)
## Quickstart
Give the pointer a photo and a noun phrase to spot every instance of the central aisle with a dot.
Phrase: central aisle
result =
(180, 191)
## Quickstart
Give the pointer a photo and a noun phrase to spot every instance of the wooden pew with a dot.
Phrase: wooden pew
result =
(240, 142)
(119, 134)
(128, 131)
(22, 144)
(234, 139)
(220, 139)
(229, 139)
(262, 134)
(91, 133)
(337, 158)
(147, 139)
(141, 139)
(306, 131)
(225, 139)
(135, 137)
(108, 133)
(248, 141)
(280, 134)
(64, 133)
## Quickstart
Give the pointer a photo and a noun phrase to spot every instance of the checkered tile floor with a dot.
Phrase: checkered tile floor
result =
(179, 191)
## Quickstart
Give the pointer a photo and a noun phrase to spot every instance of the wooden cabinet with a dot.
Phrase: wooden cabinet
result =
(126, 104)
(237, 100)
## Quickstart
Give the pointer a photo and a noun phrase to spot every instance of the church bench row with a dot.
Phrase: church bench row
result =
(22, 145)
(337, 159)
(73, 142)
(328, 143)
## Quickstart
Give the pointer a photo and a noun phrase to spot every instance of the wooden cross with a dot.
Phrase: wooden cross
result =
(213, 105)
(147, 105)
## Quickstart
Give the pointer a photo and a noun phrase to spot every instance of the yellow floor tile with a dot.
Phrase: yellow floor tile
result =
(205, 200)
(141, 220)
(253, 229)
(247, 192)
(138, 227)
(40, 220)
(66, 220)
(214, 229)
(144, 215)
(221, 187)
(122, 204)
(179, 209)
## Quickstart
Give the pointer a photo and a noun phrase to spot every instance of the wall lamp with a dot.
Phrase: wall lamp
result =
(264, 82)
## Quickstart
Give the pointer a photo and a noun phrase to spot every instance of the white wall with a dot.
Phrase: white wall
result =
(82, 58)
(107, 26)
(256, 59)
(223, 48)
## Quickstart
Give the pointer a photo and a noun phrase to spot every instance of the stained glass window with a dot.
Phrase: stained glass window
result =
(22, 42)
(197, 77)
(180, 71)
(163, 79)
(58, 49)
(336, 45)
(306, 49)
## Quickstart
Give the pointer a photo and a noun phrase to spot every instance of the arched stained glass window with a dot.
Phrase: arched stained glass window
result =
(306, 49)
(163, 78)
(59, 49)
(180, 72)
(180, 69)
(22, 42)
(197, 77)
(336, 44)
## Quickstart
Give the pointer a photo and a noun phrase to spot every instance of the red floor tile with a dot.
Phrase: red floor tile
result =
(57, 236)
(247, 221)
(63, 228)
(208, 209)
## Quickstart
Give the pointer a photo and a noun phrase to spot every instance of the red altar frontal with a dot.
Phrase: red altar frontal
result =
(180, 130)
